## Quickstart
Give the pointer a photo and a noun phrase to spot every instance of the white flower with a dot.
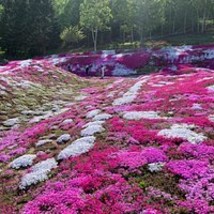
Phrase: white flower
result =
(137, 115)
(130, 95)
(43, 142)
(196, 106)
(91, 130)
(67, 121)
(77, 148)
(80, 98)
(183, 131)
(94, 123)
(11, 122)
(63, 138)
(211, 118)
(39, 173)
(23, 161)
(155, 167)
(211, 88)
(103, 116)
(121, 70)
(93, 113)
(126, 99)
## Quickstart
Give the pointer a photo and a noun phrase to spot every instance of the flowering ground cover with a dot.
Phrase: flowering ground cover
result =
(119, 145)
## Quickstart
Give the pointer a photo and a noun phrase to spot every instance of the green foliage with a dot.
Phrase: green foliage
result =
(34, 27)
(71, 35)
(68, 12)
(95, 15)
(1, 10)
(27, 27)
(142, 185)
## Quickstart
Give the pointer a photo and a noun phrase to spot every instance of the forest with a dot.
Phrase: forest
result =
(38, 27)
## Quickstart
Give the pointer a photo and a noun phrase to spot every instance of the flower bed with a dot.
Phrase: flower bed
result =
(118, 145)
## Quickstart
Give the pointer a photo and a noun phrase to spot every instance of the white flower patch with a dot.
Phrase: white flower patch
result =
(94, 123)
(63, 138)
(137, 115)
(22, 161)
(39, 173)
(130, 95)
(91, 130)
(211, 118)
(122, 70)
(25, 63)
(103, 116)
(211, 88)
(27, 112)
(183, 131)
(196, 106)
(155, 167)
(111, 94)
(80, 98)
(43, 142)
(124, 100)
(209, 54)
(37, 119)
(93, 113)
(47, 114)
(67, 121)
(26, 84)
(11, 122)
(77, 148)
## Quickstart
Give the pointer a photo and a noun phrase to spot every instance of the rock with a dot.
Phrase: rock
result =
(63, 138)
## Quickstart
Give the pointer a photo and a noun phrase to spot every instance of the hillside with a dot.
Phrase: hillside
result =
(145, 145)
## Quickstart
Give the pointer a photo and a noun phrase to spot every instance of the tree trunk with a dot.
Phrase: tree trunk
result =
(141, 37)
(173, 24)
(162, 26)
(185, 21)
(94, 37)
(132, 35)
(203, 27)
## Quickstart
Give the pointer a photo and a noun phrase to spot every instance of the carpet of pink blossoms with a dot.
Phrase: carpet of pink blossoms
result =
(134, 145)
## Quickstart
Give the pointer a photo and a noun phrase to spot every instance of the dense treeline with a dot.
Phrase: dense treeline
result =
(33, 27)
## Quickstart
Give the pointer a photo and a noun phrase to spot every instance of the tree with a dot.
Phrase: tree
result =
(149, 15)
(44, 30)
(68, 12)
(1, 10)
(95, 15)
(71, 35)
(14, 27)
